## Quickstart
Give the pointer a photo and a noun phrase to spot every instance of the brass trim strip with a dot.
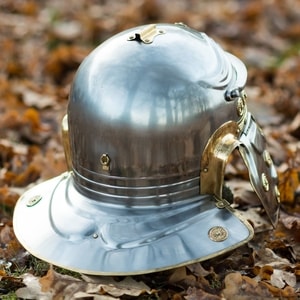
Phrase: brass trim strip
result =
(66, 141)
(215, 157)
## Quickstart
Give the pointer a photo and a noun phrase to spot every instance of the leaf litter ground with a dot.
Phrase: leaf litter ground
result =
(43, 43)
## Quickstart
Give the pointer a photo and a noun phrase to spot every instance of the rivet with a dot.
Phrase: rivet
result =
(267, 158)
(220, 204)
(34, 200)
(240, 107)
(277, 193)
(95, 235)
(265, 182)
(105, 161)
(205, 170)
(218, 234)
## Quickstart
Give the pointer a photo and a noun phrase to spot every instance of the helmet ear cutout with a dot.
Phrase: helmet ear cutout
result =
(214, 159)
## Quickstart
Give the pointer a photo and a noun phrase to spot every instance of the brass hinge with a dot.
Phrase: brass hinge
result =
(147, 35)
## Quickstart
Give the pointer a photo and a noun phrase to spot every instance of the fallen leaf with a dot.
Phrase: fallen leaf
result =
(281, 278)
(32, 289)
(290, 221)
(238, 287)
(198, 270)
(266, 256)
(198, 294)
(288, 183)
(88, 296)
(179, 274)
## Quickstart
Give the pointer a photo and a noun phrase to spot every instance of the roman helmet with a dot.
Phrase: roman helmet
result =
(154, 114)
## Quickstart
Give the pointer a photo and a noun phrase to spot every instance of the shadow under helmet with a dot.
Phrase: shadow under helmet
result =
(154, 113)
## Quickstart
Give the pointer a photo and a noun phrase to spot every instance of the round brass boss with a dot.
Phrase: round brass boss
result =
(218, 234)
(265, 182)
(277, 193)
(267, 158)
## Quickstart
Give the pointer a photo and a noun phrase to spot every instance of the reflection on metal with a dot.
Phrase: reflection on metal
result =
(119, 239)
(215, 156)
(147, 35)
(218, 234)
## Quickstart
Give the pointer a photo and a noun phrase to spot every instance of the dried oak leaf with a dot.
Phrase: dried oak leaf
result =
(8, 197)
(288, 183)
(266, 256)
(62, 60)
(33, 129)
(281, 278)
(107, 285)
(196, 276)
(31, 174)
(290, 221)
(180, 275)
(57, 286)
(286, 293)
(198, 294)
(6, 235)
(238, 287)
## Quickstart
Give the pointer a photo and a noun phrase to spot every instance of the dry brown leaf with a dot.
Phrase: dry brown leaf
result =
(286, 293)
(6, 234)
(128, 286)
(37, 100)
(88, 296)
(264, 272)
(238, 287)
(32, 289)
(198, 270)
(288, 184)
(290, 221)
(31, 174)
(42, 44)
(198, 294)
(8, 197)
(57, 286)
(256, 216)
(243, 192)
(266, 256)
(179, 275)
(281, 278)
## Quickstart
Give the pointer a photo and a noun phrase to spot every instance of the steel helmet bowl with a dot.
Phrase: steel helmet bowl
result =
(153, 115)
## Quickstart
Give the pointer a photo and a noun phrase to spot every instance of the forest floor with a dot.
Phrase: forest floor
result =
(43, 42)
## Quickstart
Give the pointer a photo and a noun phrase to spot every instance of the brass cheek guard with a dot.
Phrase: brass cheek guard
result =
(251, 145)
